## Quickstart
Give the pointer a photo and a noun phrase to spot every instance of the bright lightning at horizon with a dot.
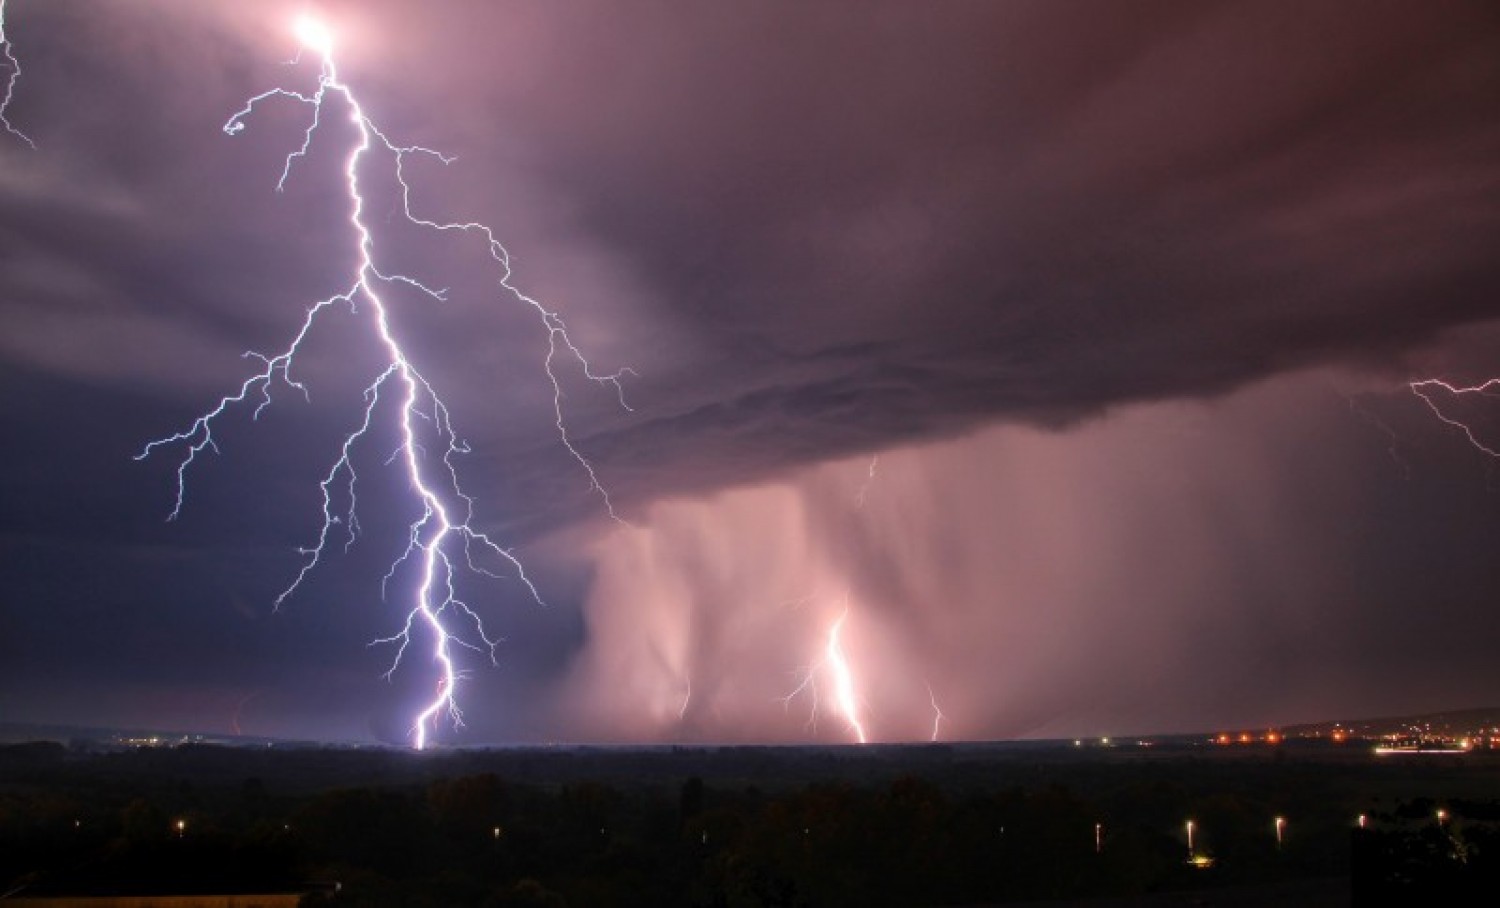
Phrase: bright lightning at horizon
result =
(835, 660)
(836, 663)
(937, 713)
(440, 540)
(13, 75)
(843, 679)
(1489, 388)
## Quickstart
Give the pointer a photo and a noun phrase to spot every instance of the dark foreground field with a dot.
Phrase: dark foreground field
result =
(921, 825)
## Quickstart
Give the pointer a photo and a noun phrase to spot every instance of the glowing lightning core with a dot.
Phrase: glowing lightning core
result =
(845, 693)
(441, 538)
(13, 75)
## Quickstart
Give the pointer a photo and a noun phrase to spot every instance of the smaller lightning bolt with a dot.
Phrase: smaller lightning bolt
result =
(13, 75)
(864, 487)
(843, 678)
(239, 708)
(937, 713)
(845, 693)
(1427, 388)
(1359, 410)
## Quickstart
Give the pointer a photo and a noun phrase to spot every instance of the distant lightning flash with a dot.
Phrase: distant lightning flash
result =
(836, 664)
(864, 487)
(1427, 388)
(441, 540)
(12, 76)
(937, 713)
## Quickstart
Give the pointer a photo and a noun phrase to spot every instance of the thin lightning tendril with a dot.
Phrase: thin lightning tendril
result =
(937, 713)
(1426, 388)
(440, 541)
(864, 487)
(12, 76)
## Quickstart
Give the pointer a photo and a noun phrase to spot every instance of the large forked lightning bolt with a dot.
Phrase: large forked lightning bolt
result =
(12, 76)
(441, 539)
(1426, 388)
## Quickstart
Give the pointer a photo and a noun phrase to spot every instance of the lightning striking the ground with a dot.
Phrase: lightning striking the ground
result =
(843, 679)
(845, 693)
(12, 76)
(937, 714)
(441, 540)
(1428, 388)
(835, 667)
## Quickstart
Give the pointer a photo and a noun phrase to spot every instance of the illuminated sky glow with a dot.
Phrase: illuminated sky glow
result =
(1132, 307)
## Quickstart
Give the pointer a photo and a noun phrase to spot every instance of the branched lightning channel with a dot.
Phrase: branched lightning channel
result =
(12, 76)
(441, 541)
(1426, 388)
(845, 693)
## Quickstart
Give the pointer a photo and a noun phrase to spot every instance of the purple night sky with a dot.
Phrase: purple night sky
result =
(1121, 301)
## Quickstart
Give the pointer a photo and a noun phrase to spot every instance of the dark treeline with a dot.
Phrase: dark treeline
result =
(181, 820)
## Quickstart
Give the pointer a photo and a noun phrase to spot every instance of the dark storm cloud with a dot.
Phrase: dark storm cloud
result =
(886, 224)
(814, 231)
(858, 225)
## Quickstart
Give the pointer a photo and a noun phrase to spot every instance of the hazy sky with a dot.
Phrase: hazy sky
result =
(1061, 347)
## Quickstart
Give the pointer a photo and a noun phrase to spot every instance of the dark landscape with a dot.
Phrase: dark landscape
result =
(1313, 818)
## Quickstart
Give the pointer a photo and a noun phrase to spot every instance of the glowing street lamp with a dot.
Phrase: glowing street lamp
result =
(1361, 820)
(1190, 837)
(1280, 830)
(1442, 816)
(181, 827)
(1098, 838)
